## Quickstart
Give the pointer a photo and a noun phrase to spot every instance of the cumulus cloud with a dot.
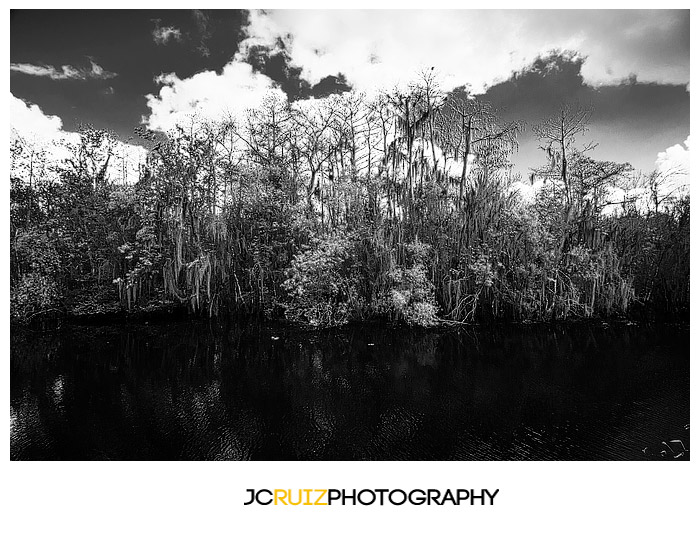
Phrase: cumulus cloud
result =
(385, 48)
(297, 51)
(67, 72)
(207, 95)
(164, 34)
(29, 121)
(674, 162)
(35, 129)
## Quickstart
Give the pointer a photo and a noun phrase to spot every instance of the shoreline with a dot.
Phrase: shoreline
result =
(177, 314)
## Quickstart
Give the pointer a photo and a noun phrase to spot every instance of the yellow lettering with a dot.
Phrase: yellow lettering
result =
(323, 494)
(308, 497)
(290, 498)
(281, 494)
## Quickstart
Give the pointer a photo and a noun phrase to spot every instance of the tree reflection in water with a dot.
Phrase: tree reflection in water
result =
(198, 390)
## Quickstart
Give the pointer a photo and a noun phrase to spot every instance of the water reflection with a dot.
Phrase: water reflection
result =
(204, 391)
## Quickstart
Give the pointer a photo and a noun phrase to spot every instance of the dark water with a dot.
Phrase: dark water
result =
(196, 390)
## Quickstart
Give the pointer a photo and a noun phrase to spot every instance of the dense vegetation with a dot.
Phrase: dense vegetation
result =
(401, 207)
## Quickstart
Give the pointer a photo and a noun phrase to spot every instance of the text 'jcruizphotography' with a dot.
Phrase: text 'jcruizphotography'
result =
(368, 497)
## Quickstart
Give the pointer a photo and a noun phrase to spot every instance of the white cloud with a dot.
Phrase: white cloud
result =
(45, 132)
(28, 121)
(674, 166)
(528, 190)
(67, 72)
(384, 48)
(163, 34)
(381, 49)
(207, 95)
(675, 161)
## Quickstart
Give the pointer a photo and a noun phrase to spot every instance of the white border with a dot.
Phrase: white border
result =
(543, 498)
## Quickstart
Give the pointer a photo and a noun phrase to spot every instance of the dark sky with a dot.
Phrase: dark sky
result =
(120, 42)
(632, 121)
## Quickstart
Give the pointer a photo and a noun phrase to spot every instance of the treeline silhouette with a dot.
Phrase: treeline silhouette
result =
(404, 207)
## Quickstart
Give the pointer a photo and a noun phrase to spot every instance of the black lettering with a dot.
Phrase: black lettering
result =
(257, 496)
(351, 496)
(462, 495)
(333, 494)
(420, 500)
(435, 495)
(492, 496)
(391, 496)
(359, 497)
(481, 497)
(252, 497)
(449, 497)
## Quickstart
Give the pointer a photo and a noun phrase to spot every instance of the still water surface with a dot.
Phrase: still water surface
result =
(200, 391)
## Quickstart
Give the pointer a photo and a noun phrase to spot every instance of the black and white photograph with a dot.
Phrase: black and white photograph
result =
(349, 235)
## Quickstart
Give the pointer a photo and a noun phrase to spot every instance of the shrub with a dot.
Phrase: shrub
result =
(33, 296)
(411, 296)
(321, 284)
